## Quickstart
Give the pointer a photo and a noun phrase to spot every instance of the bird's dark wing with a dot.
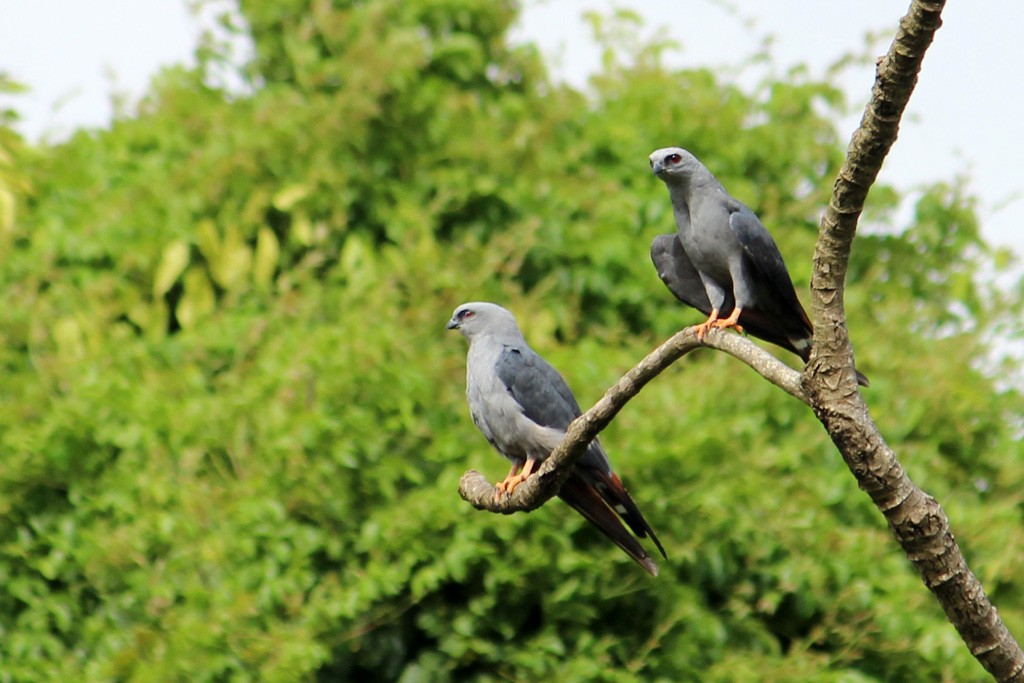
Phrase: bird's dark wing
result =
(677, 272)
(544, 395)
(537, 387)
(778, 317)
(777, 298)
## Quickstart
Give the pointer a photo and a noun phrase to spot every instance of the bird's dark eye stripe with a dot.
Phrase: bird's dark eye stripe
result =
(464, 313)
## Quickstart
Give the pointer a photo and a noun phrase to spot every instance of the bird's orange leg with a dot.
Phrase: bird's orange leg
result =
(514, 480)
(731, 321)
(504, 486)
(702, 329)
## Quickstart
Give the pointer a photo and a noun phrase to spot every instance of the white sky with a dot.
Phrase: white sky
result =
(964, 115)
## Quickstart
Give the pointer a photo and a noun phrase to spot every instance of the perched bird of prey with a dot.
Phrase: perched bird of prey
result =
(723, 261)
(523, 407)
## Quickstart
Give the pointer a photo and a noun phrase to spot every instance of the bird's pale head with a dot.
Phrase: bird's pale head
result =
(673, 164)
(478, 318)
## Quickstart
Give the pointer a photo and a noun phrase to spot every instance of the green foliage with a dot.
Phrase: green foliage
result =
(232, 423)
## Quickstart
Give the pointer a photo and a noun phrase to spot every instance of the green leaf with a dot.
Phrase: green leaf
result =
(287, 197)
(173, 262)
(267, 253)
(198, 299)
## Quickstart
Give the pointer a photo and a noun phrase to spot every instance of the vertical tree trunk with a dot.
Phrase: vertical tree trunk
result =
(917, 520)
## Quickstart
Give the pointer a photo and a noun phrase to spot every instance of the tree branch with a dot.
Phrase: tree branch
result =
(542, 486)
(917, 520)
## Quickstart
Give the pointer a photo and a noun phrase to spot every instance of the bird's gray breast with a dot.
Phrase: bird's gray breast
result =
(708, 239)
(497, 414)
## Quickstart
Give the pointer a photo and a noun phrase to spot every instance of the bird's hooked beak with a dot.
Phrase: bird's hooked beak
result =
(657, 167)
(453, 324)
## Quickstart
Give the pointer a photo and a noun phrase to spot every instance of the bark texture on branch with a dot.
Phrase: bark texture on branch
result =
(917, 520)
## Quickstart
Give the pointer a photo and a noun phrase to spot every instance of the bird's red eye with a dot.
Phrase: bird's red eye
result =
(673, 158)
(465, 313)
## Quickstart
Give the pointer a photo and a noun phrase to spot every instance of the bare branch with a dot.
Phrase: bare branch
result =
(542, 486)
(762, 362)
(918, 522)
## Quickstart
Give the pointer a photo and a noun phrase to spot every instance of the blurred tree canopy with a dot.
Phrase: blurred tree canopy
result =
(232, 425)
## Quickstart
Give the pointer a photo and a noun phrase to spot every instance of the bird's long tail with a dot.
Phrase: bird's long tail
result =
(587, 500)
(615, 494)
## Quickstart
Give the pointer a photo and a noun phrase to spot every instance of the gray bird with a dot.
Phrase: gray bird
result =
(723, 261)
(523, 407)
